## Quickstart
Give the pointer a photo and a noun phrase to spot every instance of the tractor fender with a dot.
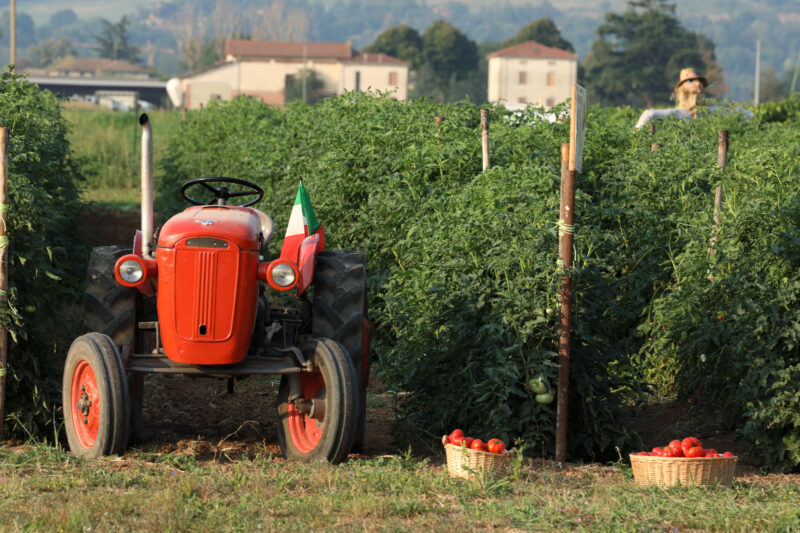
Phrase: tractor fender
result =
(307, 258)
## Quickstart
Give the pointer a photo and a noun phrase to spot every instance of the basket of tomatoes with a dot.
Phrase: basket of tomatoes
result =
(683, 462)
(467, 456)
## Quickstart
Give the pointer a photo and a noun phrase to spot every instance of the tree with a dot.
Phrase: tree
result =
(294, 89)
(638, 55)
(281, 25)
(225, 22)
(50, 51)
(402, 42)
(543, 31)
(63, 17)
(113, 41)
(449, 54)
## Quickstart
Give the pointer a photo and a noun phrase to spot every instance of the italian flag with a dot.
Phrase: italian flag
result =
(302, 223)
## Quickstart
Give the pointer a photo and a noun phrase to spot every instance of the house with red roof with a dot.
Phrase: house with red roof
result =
(531, 73)
(263, 69)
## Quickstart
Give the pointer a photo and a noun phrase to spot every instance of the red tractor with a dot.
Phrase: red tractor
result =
(197, 304)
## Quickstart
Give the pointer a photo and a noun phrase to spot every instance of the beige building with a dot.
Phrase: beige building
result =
(531, 73)
(262, 68)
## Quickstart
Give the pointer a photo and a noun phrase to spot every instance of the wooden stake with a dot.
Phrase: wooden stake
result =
(722, 159)
(564, 170)
(567, 225)
(485, 137)
(3, 272)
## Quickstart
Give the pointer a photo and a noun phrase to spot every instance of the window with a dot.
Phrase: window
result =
(358, 81)
(523, 78)
(551, 102)
(551, 62)
(551, 78)
(393, 78)
(522, 100)
(523, 61)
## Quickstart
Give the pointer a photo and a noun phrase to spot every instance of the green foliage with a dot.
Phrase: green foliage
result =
(787, 110)
(402, 42)
(639, 54)
(543, 31)
(48, 52)
(113, 41)
(44, 245)
(463, 274)
(448, 53)
(305, 86)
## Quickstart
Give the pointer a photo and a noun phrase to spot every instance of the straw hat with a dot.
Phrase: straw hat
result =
(688, 74)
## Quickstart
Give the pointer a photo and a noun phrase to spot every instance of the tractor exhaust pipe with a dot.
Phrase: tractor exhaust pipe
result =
(147, 187)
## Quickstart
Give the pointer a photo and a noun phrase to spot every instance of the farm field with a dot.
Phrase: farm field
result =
(676, 334)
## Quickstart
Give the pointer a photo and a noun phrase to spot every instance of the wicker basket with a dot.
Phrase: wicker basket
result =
(463, 462)
(668, 471)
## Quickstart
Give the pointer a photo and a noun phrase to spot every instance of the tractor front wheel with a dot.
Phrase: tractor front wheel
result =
(95, 397)
(317, 411)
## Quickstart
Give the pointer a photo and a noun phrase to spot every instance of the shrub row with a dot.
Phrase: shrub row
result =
(45, 255)
(463, 271)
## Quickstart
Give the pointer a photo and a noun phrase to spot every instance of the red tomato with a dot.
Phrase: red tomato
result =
(711, 454)
(728, 454)
(643, 453)
(695, 451)
(457, 440)
(687, 443)
(671, 452)
(478, 444)
(495, 446)
(454, 433)
(711, 450)
(675, 446)
(658, 452)
(468, 441)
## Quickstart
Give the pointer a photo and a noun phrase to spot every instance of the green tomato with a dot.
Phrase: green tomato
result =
(544, 398)
(537, 386)
(30, 308)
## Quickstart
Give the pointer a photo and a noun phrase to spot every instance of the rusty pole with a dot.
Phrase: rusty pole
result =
(485, 137)
(3, 272)
(567, 225)
(564, 171)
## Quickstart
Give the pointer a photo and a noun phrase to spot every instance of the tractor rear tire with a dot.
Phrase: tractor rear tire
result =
(110, 309)
(305, 436)
(95, 397)
(339, 312)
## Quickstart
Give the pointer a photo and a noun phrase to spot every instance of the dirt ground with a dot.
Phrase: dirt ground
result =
(199, 417)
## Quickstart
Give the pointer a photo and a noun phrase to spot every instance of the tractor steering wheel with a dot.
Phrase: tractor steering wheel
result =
(221, 192)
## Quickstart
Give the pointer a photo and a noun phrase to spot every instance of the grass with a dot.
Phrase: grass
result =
(109, 144)
(42, 488)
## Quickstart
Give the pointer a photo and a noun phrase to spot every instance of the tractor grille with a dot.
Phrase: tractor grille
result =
(206, 281)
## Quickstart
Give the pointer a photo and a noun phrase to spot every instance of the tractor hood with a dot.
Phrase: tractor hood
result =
(235, 224)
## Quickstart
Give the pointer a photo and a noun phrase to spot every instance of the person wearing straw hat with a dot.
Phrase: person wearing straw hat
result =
(688, 88)
(686, 91)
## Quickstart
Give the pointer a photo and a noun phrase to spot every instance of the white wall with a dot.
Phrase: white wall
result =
(504, 80)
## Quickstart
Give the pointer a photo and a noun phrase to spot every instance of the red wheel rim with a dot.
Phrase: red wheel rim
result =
(306, 432)
(85, 404)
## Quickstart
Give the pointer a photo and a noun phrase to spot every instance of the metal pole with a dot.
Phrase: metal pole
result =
(13, 35)
(485, 137)
(567, 228)
(756, 95)
(3, 272)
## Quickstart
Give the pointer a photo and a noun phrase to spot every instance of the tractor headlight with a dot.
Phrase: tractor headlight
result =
(131, 271)
(283, 275)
